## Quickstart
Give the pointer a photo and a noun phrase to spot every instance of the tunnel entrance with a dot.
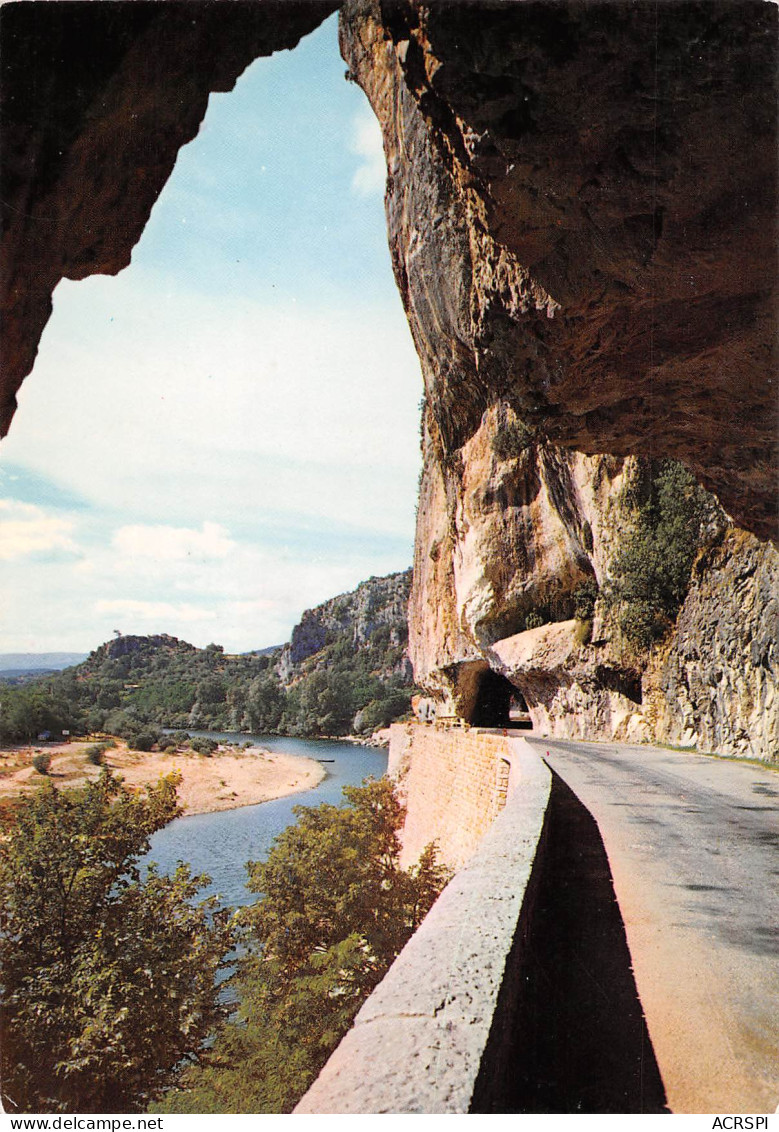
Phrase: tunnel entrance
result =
(498, 703)
(493, 700)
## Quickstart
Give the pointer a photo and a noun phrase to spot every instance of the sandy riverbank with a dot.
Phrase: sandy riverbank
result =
(230, 778)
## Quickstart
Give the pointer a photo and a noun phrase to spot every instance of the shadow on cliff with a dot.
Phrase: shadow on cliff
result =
(569, 1035)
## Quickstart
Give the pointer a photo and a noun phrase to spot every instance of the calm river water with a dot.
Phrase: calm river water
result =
(220, 844)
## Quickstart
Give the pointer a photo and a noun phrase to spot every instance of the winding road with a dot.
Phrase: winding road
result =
(693, 846)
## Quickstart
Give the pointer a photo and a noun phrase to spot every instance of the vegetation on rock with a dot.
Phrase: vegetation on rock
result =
(650, 575)
(512, 438)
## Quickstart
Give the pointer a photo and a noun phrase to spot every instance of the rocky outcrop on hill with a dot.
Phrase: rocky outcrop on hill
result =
(134, 646)
(354, 618)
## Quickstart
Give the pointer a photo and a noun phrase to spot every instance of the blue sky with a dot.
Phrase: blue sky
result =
(226, 433)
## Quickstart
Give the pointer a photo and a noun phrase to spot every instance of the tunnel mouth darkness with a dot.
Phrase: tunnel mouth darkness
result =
(497, 701)
(569, 1034)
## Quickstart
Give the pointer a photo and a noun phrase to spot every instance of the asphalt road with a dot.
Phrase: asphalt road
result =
(693, 846)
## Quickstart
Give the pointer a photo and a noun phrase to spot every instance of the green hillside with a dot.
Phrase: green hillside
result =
(348, 672)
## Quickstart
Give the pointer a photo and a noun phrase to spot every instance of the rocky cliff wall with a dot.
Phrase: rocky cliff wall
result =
(581, 205)
(584, 259)
(354, 618)
(715, 684)
(522, 536)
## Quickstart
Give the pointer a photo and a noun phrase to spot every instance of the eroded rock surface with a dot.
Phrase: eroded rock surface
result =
(97, 100)
(581, 205)
(354, 618)
(582, 215)
(518, 537)
(715, 686)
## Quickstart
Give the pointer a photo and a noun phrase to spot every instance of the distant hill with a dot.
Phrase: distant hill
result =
(375, 613)
(345, 669)
(19, 662)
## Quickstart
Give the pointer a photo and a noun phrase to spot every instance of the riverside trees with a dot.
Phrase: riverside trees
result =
(160, 681)
(109, 972)
(108, 976)
(335, 909)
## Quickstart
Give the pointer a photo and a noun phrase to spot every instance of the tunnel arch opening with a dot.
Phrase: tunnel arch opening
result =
(498, 703)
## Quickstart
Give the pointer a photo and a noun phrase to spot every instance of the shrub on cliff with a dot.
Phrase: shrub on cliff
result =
(584, 598)
(336, 908)
(108, 976)
(511, 439)
(650, 575)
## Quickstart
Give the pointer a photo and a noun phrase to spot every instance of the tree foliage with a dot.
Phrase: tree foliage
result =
(108, 974)
(651, 574)
(28, 710)
(133, 686)
(335, 909)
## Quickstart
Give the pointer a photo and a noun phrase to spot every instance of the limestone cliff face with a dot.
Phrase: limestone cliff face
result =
(581, 205)
(581, 256)
(378, 603)
(522, 535)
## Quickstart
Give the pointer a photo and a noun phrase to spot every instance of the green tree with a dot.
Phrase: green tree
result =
(336, 908)
(108, 975)
(650, 576)
(265, 703)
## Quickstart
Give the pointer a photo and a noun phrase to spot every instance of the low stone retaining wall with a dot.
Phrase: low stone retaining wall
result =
(453, 781)
(428, 1040)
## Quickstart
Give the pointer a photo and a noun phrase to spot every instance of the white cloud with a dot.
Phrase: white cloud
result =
(182, 408)
(173, 544)
(157, 613)
(26, 529)
(371, 173)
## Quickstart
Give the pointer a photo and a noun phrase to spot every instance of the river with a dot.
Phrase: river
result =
(220, 844)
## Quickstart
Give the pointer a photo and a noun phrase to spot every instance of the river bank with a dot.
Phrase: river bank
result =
(230, 778)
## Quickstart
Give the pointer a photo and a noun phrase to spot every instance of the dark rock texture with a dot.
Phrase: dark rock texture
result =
(582, 214)
(97, 100)
(716, 686)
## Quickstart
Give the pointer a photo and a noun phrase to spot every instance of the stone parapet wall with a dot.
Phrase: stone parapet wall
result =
(454, 783)
(425, 1040)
